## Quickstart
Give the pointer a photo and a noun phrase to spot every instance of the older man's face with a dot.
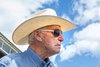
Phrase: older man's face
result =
(52, 40)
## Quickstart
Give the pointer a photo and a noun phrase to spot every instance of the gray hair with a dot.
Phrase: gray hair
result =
(30, 38)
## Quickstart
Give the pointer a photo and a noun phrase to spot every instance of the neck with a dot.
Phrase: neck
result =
(39, 51)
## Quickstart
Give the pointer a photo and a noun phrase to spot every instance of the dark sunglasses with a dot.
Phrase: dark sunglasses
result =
(55, 32)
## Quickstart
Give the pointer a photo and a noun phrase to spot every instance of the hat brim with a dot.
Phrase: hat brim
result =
(21, 33)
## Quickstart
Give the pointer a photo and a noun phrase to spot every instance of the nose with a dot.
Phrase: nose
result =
(60, 38)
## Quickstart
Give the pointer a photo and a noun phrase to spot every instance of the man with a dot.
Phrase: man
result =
(43, 33)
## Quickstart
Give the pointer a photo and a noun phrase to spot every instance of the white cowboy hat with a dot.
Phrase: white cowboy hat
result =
(40, 19)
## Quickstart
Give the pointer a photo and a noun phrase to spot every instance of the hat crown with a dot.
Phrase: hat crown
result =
(47, 11)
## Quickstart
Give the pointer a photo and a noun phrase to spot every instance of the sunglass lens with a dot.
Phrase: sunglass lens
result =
(57, 33)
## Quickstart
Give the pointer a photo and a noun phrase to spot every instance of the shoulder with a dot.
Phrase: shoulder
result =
(9, 60)
(5, 61)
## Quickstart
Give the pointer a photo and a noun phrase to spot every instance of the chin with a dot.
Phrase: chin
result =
(54, 53)
(57, 52)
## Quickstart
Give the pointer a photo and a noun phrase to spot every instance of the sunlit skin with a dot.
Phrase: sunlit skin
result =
(45, 44)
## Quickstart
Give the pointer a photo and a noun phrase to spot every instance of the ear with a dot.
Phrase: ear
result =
(36, 35)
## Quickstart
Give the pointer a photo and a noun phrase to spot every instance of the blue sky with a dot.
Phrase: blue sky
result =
(81, 47)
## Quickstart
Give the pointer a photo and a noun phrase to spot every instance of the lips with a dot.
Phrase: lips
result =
(58, 45)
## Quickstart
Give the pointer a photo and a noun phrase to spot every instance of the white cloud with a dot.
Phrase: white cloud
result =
(88, 11)
(47, 1)
(91, 32)
(68, 53)
(12, 12)
(87, 41)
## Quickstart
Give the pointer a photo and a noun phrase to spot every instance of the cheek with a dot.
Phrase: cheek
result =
(49, 41)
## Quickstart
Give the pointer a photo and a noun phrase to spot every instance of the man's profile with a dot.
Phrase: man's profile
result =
(43, 32)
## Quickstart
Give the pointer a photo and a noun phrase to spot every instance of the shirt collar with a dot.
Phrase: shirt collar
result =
(35, 58)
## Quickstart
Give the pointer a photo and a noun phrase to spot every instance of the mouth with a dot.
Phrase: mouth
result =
(58, 45)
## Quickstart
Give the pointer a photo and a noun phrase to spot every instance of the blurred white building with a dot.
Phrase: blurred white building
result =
(6, 47)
